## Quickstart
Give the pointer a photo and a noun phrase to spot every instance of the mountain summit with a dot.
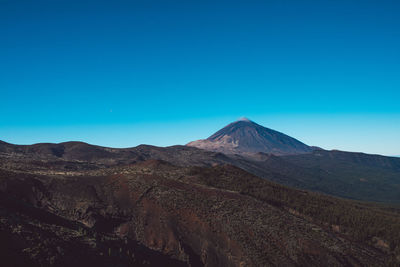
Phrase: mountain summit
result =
(245, 136)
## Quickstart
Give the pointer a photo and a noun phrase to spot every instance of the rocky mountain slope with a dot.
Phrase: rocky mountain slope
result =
(58, 211)
(245, 137)
(280, 158)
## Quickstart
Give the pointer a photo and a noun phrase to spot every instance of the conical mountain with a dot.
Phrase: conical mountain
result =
(245, 137)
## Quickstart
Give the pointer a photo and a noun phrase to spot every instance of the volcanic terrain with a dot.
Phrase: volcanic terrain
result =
(75, 204)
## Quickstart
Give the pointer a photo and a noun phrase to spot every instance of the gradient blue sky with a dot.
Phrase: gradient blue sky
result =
(122, 73)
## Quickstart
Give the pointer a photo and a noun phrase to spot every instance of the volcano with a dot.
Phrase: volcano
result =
(246, 137)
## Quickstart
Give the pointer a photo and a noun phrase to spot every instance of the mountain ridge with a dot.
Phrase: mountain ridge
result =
(345, 174)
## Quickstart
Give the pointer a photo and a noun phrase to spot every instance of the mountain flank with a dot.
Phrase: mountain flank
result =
(154, 213)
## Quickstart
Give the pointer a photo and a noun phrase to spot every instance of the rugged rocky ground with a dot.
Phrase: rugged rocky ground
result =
(74, 204)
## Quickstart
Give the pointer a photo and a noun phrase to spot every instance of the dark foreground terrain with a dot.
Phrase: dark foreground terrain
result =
(73, 204)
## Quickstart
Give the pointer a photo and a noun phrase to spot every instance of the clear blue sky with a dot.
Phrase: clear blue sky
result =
(121, 73)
